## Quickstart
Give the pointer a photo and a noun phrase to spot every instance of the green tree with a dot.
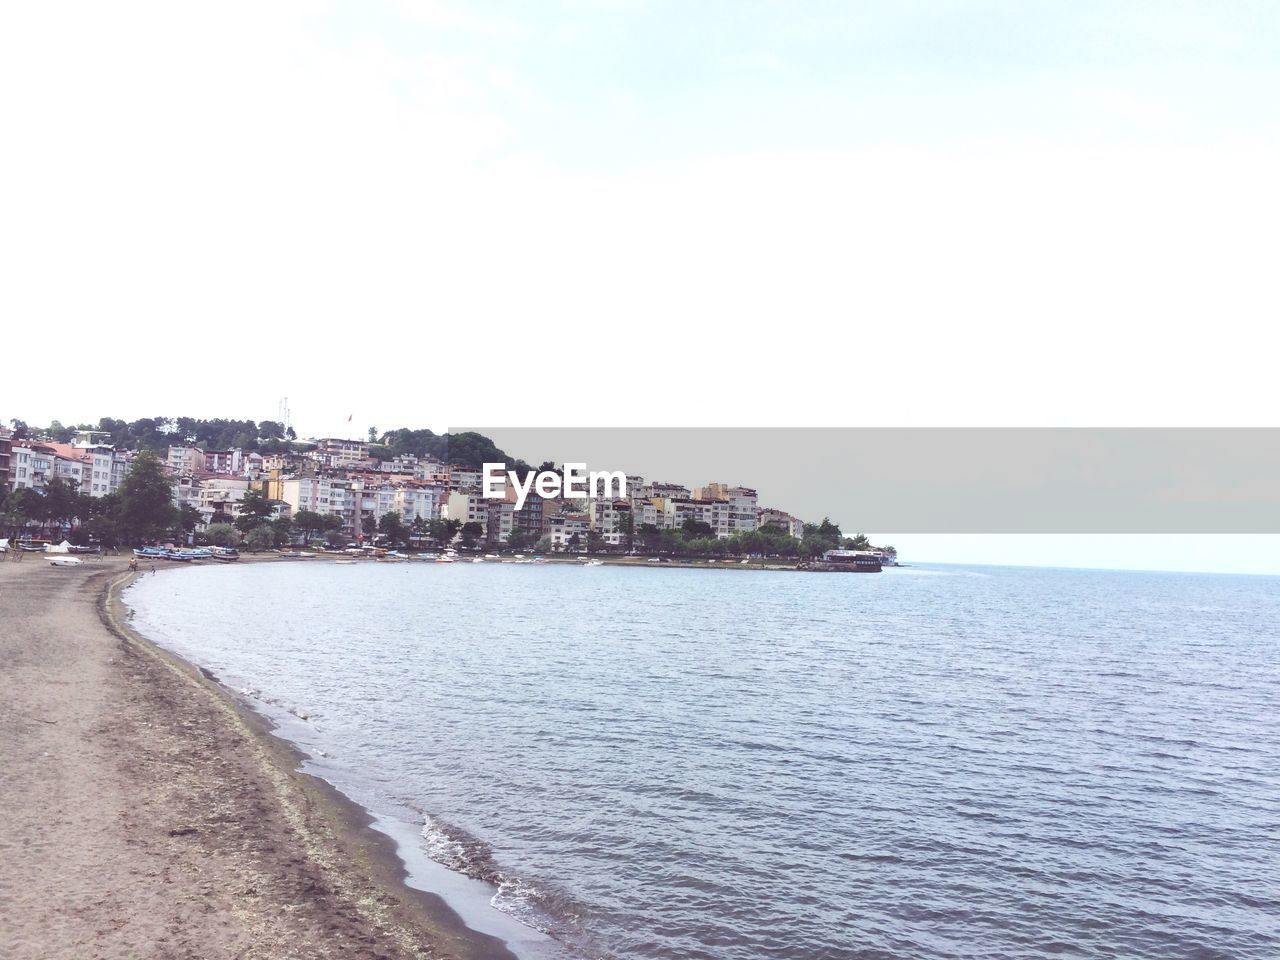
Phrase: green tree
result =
(281, 531)
(419, 528)
(625, 524)
(60, 501)
(260, 537)
(391, 528)
(146, 500)
(188, 518)
(308, 523)
(368, 526)
(859, 542)
(821, 537)
(443, 531)
(222, 535)
(471, 532)
(650, 536)
(697, 529)
(254, 511)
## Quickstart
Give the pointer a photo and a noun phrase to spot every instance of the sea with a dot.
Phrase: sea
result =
(632, 763)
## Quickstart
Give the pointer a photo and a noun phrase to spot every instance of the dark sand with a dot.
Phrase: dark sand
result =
(143, 813)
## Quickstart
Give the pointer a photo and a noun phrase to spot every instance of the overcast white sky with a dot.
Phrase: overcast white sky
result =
(425, 212)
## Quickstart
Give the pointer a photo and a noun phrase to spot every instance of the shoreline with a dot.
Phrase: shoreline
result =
(264, 861)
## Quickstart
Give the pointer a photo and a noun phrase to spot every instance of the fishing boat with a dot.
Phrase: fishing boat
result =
(224, 554)
(149, 553)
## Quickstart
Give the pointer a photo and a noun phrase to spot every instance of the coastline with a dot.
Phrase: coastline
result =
(147, 812)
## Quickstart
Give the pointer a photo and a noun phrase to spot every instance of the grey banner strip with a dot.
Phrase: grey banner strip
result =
(941, 480)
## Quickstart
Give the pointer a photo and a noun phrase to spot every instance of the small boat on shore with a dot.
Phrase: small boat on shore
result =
(224, 554)
(65, 561)
(346, 561)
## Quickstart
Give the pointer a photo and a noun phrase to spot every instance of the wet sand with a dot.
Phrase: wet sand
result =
(144, 813)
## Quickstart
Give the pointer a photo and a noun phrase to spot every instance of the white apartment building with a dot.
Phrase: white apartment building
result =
(218, 498)
(464, 479)
(744, 508)
(565, 528)
(607, 517)
(419, 500)
(343, 454)
(30, 466)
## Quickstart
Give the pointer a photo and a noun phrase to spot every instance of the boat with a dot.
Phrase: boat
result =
(149, 553)
(33, 546)
(346, 561)
(225, 554)
(594, 563)
(477, 559)
(65, 561)
(844, 561)
(446, 560)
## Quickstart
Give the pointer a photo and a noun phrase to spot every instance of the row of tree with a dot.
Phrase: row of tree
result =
(142, 510)
(159, 433)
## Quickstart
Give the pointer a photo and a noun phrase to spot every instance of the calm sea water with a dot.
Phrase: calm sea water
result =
(665, 763)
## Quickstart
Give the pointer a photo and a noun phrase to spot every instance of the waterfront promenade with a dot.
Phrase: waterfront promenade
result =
(144, 814)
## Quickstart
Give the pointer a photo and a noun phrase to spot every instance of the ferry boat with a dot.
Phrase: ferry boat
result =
(845, 561)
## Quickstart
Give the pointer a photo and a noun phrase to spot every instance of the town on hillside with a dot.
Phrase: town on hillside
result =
(153, 481)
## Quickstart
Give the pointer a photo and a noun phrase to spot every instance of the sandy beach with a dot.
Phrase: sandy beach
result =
(143, 813)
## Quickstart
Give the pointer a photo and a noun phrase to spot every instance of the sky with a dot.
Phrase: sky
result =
(597, 212)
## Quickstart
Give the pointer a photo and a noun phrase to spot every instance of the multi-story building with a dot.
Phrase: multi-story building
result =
(414, 500)
(341, 454)
(187, 461)
(780, 520)
(468, 508)
(499, 520)
(529, 518)
(464, 479)
(6, 453)
(608, 516)
(218, 498)
(744, 508)
(226, 462)
(568, 531)
(431, 471)
(31, 465)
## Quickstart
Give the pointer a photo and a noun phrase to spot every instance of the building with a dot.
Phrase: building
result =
(569, 531)
(6, 452)
(608, 518)
(31, 465)
(218, 498)
(499, 521)
(744, 507)
(226, 462)
(468, 508)
(419, 500)
(341, 454)
(464, 479)
(780, 520)
(187, 461)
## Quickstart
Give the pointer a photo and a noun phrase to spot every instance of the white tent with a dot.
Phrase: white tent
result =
(63, 547)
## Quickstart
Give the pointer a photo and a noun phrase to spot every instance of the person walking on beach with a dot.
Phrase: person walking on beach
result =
(133, 564)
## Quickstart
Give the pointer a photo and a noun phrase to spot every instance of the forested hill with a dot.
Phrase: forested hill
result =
(267, 436)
